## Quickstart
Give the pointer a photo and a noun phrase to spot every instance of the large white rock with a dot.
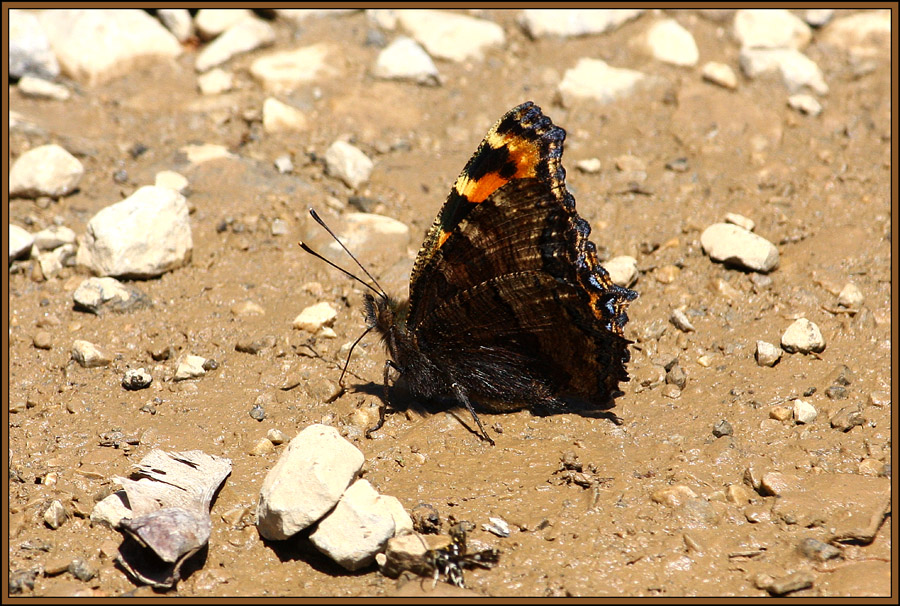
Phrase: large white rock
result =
(96, 45)
(357, 529)
(29, 48)
(404, 59)
(348, 163)
(307, 481)
(735, 245)
(246, 35)
(594, 79)
(669, 42)
(20, 242)
(863, 34)
(574, 22)
(210, 22)
(178, 21)
(803, 336)
(144, 235)
(452, 36)
(286, 70)
(48, 170)
(796, 69)
(770, 28)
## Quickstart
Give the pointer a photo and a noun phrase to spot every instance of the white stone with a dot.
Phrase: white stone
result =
(740, 221)
(55, 515)
(357, 529)
(189, 367)
(52, 261)
(796, 69)
(53, 237)
(735, 245)
(88, 355)
(770, 28)
(368, 233)
(669, 42)
(865, 34)
(452, 36)
(574, 22)
(298, 15)
(215, 81)
(767, 354)
(315, 317)
(805, 104)
(111, 510)
(32, 86)
(384, 18)
(246, 35)
(210, 22)
(817, 17)
(204, 152)
(172, 180)
(802, 336)
(721, 74)
(622, 270)
(29, 48)
(20, 242)
(284, 164)
(93, 293)
(280, 117)
(804, 412)
(286, 70)
(404, 59)
(97, 45)
(402, 522)
(178, 21)
(594, 79)
(590, 166)
(850, 296)
(348, 164)
(48, 170)
(144, 235)
(307, 481)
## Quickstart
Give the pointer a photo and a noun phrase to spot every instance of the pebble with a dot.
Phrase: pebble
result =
(804, 412)
(802, 336)
(216, 81)
(281, 117)
(863, 34)
(276, 436)
(96, 295)
(735, 245)
(846, 419)
(407, 552)
(314, 317)
(54, 237)
(111, 510)
(770, 28)
(451, 36)
(786, 584)
(190, 367)
(673, 496)
(775, 483)
(737, 494)
(805, 104)
(32, 86)
(781, 413)
(348, 164)
(257, 413)
(870, 467)
(719, 73)
(836, 392)
(623, 270)
(254, 345)
(52, 262)
(358, 527)
(590, 166)
(722, 428)
(426, 519)
(681, 321)
(676, 376)
(88, 355)
(55, 515)
(767, 354)
(247, 308)
(595, 80)
(796, 69)
(48, 170)
(670, 43)
(850, 296)
(204, 152)
(818, 17)
(307, 481)
(667, 274)
(880, 399)
(815, 549)
(284, 165)
(20, 242)
(263, 446)
(368, 233)
(43, 340)
(405, 59)
(211, 22)
(740, 221)
(178, 21)
(97, 45)
(246, 35)
(539, 22)
(172, 180)
(286, 70)
(136, 378)
(81, 570)
(29, 48)
(143, 236)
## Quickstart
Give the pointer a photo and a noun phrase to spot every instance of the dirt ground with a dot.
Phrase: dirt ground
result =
(817, 187)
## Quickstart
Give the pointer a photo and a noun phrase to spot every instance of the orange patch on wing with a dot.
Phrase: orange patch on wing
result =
(525, 155)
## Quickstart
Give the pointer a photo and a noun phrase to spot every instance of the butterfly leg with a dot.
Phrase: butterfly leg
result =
(383, 408)
(460, 393)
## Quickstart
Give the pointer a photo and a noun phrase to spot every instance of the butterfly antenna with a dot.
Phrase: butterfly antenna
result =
(350, 353)
(319, 220)
(304, 246)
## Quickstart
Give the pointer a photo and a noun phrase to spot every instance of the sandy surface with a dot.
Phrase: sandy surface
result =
(816, 187)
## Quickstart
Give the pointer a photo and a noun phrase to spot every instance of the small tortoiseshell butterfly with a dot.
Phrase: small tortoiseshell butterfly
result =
(508, 306)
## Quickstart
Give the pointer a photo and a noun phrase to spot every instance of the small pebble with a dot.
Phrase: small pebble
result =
(497, 526)
(55, 515)
(846, 419)
(681, 321)
(737, 494)
(815, 549)
(787, 584)
(262, 446)
(850, 297)
(804, 412)
(673, 496)
(740, 221)
(136, 378)
(836, 392)
(767, 354)
(805, 104)
(276, 436)
(426, 519)
(283, 164)
(590, 166)
(780, 413)
(802, 336)
(257, 412)
(721, 74)
(722, 428)
(43, 340)
(676, 376)
(81, 570)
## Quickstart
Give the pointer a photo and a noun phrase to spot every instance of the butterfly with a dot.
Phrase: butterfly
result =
(508, 306)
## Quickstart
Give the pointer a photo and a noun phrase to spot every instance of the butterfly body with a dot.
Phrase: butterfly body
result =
(508, 306)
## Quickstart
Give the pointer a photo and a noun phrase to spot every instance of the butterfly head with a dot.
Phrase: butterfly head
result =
(385, 314)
